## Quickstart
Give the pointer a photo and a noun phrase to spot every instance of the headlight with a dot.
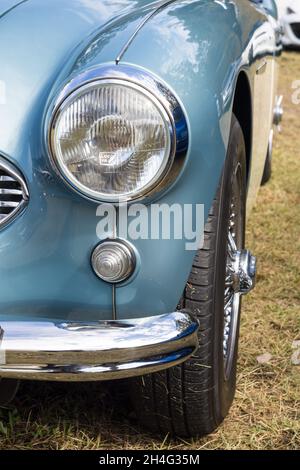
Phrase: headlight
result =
(112, 139)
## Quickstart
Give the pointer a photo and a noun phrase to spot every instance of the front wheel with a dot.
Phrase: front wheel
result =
(192, 399)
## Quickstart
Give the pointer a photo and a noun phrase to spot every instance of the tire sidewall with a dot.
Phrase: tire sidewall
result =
(224, 390)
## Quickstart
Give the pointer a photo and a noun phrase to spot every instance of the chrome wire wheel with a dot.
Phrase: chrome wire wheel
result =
(193, 399)
(232, 298)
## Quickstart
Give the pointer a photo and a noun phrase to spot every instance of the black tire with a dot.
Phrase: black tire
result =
(267, 174)
(192, 399)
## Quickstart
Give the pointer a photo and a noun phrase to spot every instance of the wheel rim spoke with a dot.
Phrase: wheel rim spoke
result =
(231, 298)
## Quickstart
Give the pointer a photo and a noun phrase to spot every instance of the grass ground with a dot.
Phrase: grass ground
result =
(266, 411)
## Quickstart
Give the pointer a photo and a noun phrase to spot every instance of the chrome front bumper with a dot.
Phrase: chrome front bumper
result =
(102, 350)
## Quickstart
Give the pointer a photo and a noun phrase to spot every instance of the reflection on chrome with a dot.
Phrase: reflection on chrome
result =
(96, 351)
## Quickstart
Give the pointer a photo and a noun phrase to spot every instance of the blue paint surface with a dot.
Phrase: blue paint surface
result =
(196, 47)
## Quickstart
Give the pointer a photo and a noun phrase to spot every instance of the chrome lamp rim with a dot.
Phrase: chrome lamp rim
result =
(168, 106)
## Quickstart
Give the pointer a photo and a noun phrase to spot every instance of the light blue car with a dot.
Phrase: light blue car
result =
(134, 136)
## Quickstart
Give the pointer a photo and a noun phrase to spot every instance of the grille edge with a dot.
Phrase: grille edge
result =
(13, 192)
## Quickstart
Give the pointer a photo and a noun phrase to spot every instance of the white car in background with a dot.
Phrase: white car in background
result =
(289, 15)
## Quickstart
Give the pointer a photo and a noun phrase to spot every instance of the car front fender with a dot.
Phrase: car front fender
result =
(198, 48)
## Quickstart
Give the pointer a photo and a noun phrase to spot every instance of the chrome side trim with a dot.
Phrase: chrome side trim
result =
(261, 69)
(271, 140)
(159, 7)
(13, 175)
(151, 85)
(101, 350)
(278, 111)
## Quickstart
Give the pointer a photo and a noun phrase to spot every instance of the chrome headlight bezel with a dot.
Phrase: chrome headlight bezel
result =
(164, 100)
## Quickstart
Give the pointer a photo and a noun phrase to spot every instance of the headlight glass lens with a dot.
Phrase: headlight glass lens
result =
(112, 140)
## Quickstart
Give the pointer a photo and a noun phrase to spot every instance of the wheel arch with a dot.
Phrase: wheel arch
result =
(242, 108)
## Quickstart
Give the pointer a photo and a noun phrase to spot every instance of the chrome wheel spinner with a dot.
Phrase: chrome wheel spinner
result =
(240, 269)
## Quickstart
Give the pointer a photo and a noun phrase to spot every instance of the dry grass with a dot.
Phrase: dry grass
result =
(266, 412)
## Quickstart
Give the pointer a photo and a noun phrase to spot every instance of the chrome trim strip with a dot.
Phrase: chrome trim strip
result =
(278, 111)
(101, 350)
(151, 85)
(271, 139)
(262, 68)
(9, 204)
(15, 176)
(159, 7)
(12, 192)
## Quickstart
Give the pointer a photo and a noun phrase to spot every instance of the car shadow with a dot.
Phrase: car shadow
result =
(73, 415)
